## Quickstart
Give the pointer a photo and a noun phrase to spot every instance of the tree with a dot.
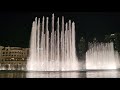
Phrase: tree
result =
(82, 47)
(115, 38)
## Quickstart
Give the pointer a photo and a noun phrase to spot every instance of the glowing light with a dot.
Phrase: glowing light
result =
(55, 50)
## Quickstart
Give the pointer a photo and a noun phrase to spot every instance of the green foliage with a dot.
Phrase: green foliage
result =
(115, 38)
(82, 46)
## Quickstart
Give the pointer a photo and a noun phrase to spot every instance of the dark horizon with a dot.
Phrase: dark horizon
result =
(15, 27)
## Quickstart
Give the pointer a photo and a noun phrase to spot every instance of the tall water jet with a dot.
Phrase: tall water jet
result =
(102, 56)
(52, 50)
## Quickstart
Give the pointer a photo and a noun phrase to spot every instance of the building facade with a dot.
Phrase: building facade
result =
(13, 57)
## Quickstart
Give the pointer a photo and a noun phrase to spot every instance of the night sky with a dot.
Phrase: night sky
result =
(15, 27)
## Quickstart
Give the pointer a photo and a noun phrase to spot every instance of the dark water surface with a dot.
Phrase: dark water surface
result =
(72, 74)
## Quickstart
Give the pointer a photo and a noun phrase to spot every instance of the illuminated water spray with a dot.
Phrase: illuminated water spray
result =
(52, 50)
(102, 56)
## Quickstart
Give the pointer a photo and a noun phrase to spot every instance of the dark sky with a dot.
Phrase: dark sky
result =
(15, 27)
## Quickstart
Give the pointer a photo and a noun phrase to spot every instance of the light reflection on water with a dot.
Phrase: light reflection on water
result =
(103, 74)
(37, 74)
(55, 75)
(12, 74)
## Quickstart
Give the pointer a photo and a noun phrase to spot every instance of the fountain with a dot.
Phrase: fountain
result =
(101, 56)
(55, 50)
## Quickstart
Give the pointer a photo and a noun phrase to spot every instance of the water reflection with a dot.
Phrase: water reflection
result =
(55, 75)
(88, 74)
(103, 74)
(23, 74)
(12, 74)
